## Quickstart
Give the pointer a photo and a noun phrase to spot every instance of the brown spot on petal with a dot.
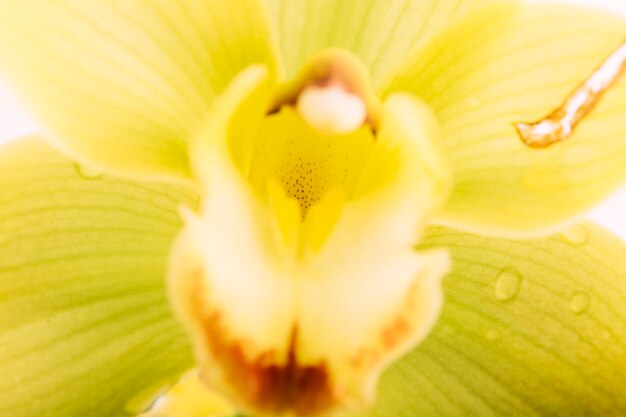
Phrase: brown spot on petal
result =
(262, 382)
(392, 335)
(395, 332)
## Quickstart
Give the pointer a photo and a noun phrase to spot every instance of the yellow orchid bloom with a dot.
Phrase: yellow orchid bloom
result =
(305, 173)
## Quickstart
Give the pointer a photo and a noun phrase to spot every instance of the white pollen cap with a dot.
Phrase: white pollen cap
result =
(331, 109)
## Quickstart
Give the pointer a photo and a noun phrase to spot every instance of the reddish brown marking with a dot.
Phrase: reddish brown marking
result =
(260, 382)
(392, 335)
(395, 332)
(364, 358)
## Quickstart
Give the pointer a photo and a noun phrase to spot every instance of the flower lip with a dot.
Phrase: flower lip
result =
(273, 388)
(324, 300)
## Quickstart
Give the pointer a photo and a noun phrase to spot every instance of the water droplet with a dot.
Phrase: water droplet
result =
(579, 302)
(508, 284)
(577, 235)
(493, 335)
(88, 172)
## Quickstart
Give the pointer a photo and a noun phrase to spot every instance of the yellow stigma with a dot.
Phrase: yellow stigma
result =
(331, 109)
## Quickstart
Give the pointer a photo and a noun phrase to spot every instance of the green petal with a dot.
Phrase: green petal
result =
(123, 84)
(529, 328)
(84, 319)
(379, 32)
(511, 64)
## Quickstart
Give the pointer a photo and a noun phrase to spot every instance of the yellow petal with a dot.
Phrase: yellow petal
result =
(379, 32)
(85, 329)
(516, 64)
(529, 328)
(123, 83)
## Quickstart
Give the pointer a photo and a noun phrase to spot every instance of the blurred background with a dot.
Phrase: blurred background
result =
(15, 122)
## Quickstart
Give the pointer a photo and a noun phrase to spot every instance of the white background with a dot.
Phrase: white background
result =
(15, 122)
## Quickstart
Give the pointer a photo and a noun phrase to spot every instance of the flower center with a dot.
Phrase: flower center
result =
(299, 268)
(306, 162)
(316, 148)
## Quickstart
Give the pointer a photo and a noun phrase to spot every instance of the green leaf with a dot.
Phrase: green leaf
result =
(123, 83)
(510, 64)
(529, 328)
(379, 32)
(84, 319)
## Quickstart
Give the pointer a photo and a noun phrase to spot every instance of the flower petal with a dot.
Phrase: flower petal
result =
(378, 296)
(85, 327)
(516, 64)
(308, 330)
(529, 328)
(379, 32)
(123, 83)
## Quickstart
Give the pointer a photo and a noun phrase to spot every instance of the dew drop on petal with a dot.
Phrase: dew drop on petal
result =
(87, 172)
(579, 303)
(577, 235)
(508, 284)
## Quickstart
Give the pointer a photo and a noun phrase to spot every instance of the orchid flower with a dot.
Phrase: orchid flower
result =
(311, 207)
